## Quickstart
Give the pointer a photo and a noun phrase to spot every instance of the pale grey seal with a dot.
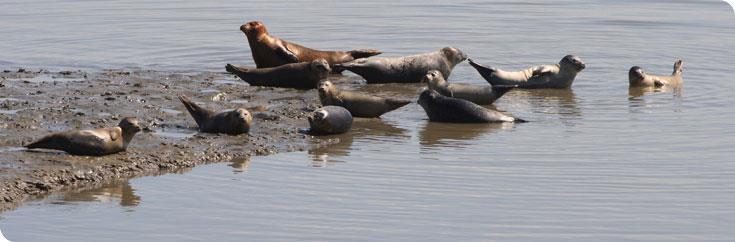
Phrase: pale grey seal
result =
(545, 76)
(405, 69)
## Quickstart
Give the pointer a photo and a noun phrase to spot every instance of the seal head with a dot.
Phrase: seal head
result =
(573, 62)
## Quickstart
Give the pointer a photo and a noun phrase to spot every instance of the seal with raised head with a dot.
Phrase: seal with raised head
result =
(545, 76)
(269, 51)
(330, 120)
(92, 142)
(359, 105)
(453, 110)
(482, 95)
(233, 122)
(302, 75)
(638, 78)
(405, 69)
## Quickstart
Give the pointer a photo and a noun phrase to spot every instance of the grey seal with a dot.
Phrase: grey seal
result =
(92, 142)
(638, 78)
(269, 51)
(545, 76)
(330, 120)
(453, 110)
(482, 95)
(233, 122)
(359, 105)
(405, 69)
(302, 75)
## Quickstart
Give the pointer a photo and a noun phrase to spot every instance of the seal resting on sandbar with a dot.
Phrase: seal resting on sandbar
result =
(269, 51)
(453, 110)
(481, 95)
(93, 142)
(638, 78)
(302, 75)
(405, 69)
(359, 105)
(233, 122)
(330, 120)
(545, 76)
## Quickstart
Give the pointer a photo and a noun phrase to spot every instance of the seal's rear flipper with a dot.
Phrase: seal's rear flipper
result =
(678, 67)
(518, 120)
(485, 72)
(364, 53)
(198, 113)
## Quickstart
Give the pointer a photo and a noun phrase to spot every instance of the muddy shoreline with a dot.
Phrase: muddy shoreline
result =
(36, 102)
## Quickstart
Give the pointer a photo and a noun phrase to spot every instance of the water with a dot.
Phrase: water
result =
(594, 164)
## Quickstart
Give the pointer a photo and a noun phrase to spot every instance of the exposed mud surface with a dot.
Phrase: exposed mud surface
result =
(34, 103)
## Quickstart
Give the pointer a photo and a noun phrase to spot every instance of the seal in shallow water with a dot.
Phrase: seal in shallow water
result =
(453, 110)
(232, 122)
(638, 78)
(545, 76)
(269, 51)
(302, 75)
(359, 105)
(330, 120)
(482, 95)
(94, 142)
(405, 69)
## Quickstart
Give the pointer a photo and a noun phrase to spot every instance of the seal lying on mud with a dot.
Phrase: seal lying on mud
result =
(405, 69)
(330, 120)
(545, 76)
(452, 110)
(232, 122)
(302, 75)
(359, 105)
(269, 51)
(638, 78)
(482, 95)
(94, 142)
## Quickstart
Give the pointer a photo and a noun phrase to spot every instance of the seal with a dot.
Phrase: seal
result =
(269, 51)
(638, 78)
(453, 110)
(545, 76)
(405, 69)
(302, 75)
(330, 120)
(233, 122)
(92, 142)
(481, 95)
(359, 105)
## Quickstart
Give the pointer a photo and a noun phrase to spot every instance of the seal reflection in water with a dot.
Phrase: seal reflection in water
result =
(481, 95)
(359, 105)
(330, 120)
(303, 75)
(638, 78)
(233, 122)
(94, 142)
(545, 76)
(269, 51)
(405, 69)
(452, 110)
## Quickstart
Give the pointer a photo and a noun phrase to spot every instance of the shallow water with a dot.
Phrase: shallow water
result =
(596, 163)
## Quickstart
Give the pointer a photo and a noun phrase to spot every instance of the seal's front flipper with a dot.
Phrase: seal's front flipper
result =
(287, 54)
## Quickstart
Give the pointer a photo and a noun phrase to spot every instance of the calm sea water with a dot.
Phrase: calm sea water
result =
(595, 164)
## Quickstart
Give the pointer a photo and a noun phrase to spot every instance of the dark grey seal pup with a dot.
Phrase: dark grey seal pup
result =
(302, 75)
(359, 105)
(453, 110)
(638, 78)
(93, 142)
(481, 95)
(232, 122)
(405, 69)
(545, 76)
(330, 120)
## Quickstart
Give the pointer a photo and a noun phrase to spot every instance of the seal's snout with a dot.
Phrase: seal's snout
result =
(244, 28)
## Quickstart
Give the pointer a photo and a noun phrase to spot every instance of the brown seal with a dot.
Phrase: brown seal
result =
(638, 78)
(302, 75)
(93, 142)
(359, 105)
(269, 51)
(232, 122)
